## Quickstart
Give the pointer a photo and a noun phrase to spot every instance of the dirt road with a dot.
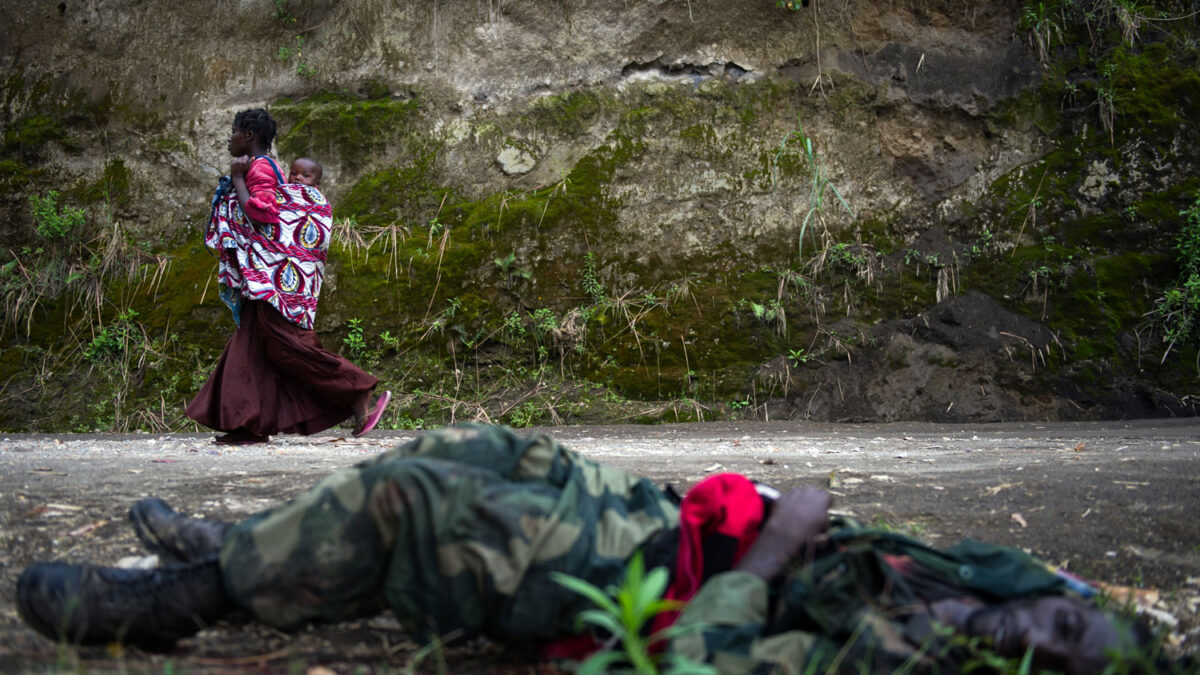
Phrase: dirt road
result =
(1116, 502)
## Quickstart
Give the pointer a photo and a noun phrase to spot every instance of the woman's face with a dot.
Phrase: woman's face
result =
(239, 142)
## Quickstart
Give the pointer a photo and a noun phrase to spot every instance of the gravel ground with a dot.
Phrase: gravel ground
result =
(1116, 502)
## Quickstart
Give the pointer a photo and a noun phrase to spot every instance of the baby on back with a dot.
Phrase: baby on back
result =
(306, 171)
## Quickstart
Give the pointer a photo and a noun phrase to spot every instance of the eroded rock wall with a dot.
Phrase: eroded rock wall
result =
(737, 176)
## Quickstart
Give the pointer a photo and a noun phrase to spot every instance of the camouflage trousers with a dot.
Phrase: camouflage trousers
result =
(457, 531)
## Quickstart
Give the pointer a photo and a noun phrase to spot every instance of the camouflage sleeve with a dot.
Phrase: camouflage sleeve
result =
(459, 531)
(724, 623)
(830, 622)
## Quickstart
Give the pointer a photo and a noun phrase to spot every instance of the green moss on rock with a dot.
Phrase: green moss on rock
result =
(342, 126)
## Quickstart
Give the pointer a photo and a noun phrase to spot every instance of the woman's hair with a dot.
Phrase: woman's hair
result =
(258, 121)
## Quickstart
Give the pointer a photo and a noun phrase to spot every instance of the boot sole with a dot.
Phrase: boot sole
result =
(145, 533)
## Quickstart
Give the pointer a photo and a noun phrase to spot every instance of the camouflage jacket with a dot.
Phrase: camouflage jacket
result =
(457, 531)
(859, 606)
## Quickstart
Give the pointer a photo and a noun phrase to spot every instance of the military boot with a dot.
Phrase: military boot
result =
(174, 536)
(148, 608)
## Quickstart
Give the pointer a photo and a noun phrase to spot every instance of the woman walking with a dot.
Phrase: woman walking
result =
(274, 376)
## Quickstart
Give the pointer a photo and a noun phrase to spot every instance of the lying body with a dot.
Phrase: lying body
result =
(461, 531)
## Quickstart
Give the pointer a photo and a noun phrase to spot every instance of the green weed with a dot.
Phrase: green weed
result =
(845, 256)
(527, 414)
(1107, 98)
(356, 343)
(283, 11)
(1043, 22)
(623, 612)
(819, 183)
(511, 273)
(1177, 311)
(798, 356)
(296, 54)
(772, 314)
(591, 280)
(52, 221)
(115, 340)
(73, 263)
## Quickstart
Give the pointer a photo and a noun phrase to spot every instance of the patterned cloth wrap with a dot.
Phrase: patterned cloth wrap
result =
(282, 263)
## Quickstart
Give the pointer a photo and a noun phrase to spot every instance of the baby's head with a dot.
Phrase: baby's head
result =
(305, 171)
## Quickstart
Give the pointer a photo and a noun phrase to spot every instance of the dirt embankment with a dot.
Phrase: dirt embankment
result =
(637, 195)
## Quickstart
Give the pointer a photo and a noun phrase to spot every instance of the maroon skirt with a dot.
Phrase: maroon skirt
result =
(275, 377)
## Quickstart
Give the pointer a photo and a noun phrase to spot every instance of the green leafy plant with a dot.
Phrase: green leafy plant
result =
(436, 227)
(984, 244)
(623, 612)
(52, 221)
(114, 340)
(389, 341)
(407, 422)
(772, 314)
(913, 256)
(525, 415)
(1107, 98)
(819, 183)
(591, 280)
(505, 262)
(798, 356)
(296, 53)
(283, 11)
(513, 327)
(1043, 22)
(1178, 310)
(845, 256)
(75, 264)
(544, 321)
(506, 267)
(356, 343)
(1040, 276)
(1129, 16)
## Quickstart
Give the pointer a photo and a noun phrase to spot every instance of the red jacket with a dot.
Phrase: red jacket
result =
(260, 183)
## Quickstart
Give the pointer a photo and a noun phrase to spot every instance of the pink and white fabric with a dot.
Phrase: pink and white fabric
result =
(281, 263)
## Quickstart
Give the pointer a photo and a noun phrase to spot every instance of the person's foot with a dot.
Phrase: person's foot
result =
(240, 438)
(367, 422)
(148, 608)
(173, 536)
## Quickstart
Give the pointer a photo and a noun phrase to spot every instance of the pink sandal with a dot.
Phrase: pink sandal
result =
(368, 423)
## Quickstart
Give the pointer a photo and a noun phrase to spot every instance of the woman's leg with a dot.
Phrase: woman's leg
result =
(238, 396)
(316, 388)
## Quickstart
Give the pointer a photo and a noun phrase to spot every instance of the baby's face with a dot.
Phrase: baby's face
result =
(305, 173)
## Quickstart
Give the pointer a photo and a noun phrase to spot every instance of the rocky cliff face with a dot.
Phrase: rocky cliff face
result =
(855, 210)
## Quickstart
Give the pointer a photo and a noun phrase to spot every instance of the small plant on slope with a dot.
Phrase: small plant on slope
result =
(1178, 309)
